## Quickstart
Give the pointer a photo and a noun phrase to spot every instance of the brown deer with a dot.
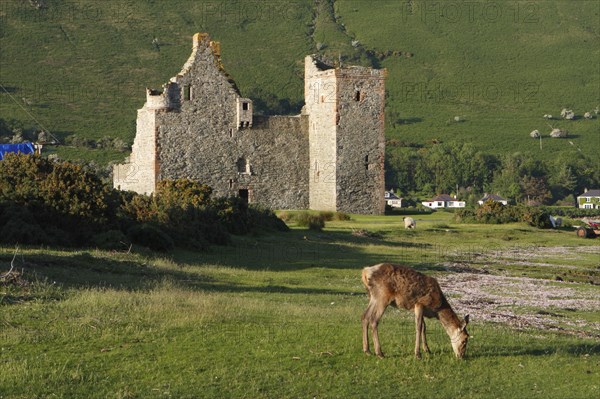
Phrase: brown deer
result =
(402, 286)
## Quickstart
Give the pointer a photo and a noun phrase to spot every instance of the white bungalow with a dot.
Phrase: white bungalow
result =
(443, 201)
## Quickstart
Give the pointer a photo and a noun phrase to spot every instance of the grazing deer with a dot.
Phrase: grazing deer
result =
(401, 286)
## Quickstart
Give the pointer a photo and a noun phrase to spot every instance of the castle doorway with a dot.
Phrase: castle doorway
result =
(244, 195)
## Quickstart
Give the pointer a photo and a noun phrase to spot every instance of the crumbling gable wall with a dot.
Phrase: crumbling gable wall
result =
(211, 138)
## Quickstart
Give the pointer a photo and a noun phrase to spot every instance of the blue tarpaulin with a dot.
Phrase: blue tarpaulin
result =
(23, 148)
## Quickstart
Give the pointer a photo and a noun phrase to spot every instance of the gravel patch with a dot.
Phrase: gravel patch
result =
(522, 302)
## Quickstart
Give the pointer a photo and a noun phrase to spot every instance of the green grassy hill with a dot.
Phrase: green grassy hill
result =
(80, 68)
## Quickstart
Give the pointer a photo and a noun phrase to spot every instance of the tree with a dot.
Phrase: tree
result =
(563, 182)
(535, 189)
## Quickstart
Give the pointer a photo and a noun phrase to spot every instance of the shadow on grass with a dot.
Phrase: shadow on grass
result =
(581, 349)
(296, 250)
(302, 249)
(48, 277)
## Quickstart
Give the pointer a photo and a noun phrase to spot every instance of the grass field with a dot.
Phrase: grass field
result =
(81, 67)
(278, 316)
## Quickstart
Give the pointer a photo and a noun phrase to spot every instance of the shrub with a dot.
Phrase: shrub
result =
(16, 231)
(311, 220)
(233, 213)
(111, 239)
(490, 212)
(572, 212)
(536, 217)
(496, 213)
(65, 197)
(342, 216)
(284, 216)
(182, 193)
(77, 141)
(465, 215)
(327, 215)
(63, 187)
(215, 233)
(150, 236)
(264, 218)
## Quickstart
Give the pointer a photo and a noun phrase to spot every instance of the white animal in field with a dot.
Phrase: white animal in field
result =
(409, 223)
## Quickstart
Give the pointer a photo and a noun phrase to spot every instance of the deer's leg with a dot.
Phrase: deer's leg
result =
(378, 310)
(424, 338)
(366, 317)
(419, 328)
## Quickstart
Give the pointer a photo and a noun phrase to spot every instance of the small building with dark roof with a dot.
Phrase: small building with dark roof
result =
(492, 197)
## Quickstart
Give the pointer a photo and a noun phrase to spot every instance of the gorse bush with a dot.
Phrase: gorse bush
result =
(492, 212)
(60, 197)
(313, 221)
(60, 203)
(151, 236)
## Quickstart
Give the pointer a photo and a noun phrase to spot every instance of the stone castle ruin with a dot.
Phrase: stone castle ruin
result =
(330, 157)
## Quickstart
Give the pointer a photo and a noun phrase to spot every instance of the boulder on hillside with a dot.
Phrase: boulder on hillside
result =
(535, 134)
(558, 133)
(567, 114)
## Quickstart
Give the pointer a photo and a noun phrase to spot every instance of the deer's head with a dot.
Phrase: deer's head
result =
(459, 341)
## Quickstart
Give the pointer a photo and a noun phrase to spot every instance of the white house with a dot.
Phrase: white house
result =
(493, 197)
(590, 199)
(443, 201)
(393, 200)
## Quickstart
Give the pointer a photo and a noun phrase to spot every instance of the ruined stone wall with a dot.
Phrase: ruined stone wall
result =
(198, 127)
(270, 160)
(139, 174)
(360, 141)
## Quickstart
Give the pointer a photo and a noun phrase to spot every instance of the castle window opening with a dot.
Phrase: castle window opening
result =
(230, 184)
(245, 106)
(187, 92)
(367, 162)
(357, 95)
(243, 166)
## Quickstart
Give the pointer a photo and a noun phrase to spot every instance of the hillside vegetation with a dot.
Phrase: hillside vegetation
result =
(80, 68)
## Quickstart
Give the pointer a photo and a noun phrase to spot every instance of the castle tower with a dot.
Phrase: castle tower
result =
(346, 137)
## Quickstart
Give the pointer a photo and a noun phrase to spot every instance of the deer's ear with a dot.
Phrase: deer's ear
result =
(464, 324)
